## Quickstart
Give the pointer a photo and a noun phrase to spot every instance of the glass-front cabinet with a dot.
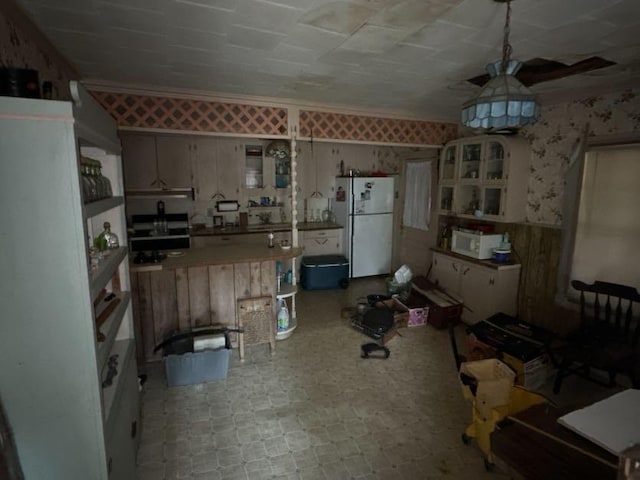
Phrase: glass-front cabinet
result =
(494, 161)
(485, 177)
(253, 166)
(448, 163)
(470, 161)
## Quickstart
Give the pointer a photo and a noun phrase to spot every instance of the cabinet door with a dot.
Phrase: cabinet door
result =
(230, 158)
(470, 160)
(446, 272)
(139, 162)
(448, 163)
(322, 242)
(494, 161)
(326, 169)
(477, 288)
(174, 162)
(206, 177)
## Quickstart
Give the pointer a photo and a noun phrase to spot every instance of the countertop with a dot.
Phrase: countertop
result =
(218, 255)
(484, 263)
(274, 227)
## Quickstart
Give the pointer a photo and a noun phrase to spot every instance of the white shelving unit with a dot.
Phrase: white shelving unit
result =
(70, 417)
(287, 294)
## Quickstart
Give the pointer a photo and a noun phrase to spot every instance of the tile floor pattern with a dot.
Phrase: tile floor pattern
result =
(315, 410)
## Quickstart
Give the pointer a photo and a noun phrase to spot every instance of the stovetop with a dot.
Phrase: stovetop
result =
(149, 257)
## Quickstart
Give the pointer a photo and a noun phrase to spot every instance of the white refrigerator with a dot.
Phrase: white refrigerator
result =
(364, 206)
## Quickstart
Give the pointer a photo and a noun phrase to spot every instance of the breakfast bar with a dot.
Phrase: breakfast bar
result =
(200, 286)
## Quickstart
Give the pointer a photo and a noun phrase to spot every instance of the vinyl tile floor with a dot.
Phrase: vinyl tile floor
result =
(314, 409)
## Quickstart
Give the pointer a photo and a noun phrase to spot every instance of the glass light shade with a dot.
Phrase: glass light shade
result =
(503, 102)
(279, 149)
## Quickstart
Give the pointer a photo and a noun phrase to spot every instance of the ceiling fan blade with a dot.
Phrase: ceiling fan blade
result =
(538, 70)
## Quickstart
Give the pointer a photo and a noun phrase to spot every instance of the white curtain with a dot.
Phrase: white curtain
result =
(417, 195)
(608, 224)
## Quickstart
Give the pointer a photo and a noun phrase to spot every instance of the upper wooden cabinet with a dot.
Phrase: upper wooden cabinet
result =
(217, 167)
(485, 177)
(153, 162)
(174, 161)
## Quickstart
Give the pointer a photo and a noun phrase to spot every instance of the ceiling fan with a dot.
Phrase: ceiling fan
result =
(538, 70)
(504, 103)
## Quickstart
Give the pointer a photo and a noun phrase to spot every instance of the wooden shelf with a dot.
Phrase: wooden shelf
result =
(94, 208)
(99, 277)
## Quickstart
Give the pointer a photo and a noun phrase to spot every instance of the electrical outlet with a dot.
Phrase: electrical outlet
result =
(211, 212)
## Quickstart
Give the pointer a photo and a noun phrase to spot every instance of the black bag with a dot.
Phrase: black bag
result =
(375, 322)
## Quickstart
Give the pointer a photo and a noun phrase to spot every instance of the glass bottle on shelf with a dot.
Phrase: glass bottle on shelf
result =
(86, 182)
(106, 183)
(107, 240)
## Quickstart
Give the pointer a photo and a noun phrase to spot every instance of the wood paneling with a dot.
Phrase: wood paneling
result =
(199, 306)
(145, 303)
(538, 250)
(222, 295)
(184, 298)
(242, 277)
(137, 328)
(255, 279)
(164, 307)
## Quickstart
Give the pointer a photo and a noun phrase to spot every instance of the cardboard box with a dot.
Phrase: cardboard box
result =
(532, 374)
(493, 382)
(520, 345)
(443, 308)
(400, 312)
(418, 309)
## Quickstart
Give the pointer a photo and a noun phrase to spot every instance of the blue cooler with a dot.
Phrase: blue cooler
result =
(323, 272)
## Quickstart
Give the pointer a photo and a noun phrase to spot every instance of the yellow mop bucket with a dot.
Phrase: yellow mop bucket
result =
(489, 386)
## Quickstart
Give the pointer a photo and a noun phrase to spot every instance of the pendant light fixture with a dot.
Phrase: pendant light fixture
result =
(503, 103)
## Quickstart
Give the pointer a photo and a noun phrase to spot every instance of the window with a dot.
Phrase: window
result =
(608, 222)
(601, 224)
(417, 196)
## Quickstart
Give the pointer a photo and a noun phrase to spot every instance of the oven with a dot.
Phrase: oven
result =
(153, 233)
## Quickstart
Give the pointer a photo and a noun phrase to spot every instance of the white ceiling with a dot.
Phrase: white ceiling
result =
(410, 56)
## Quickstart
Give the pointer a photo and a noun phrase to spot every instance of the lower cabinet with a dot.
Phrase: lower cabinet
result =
(122, 442)
(485, 288)
(322, 242)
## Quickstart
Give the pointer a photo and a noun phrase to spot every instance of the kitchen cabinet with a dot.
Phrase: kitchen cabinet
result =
(156, 162)
(217, 168)
(322, 242)
(69, 386)
(316, 169)
(485, 176)
(484, 287)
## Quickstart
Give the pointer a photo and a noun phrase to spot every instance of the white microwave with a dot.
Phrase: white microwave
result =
(475, 245)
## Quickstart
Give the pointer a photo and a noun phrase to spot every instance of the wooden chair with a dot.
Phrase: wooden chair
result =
(608, 336)
(256, 319)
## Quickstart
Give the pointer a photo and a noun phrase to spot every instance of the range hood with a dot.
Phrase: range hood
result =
(162, 193)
